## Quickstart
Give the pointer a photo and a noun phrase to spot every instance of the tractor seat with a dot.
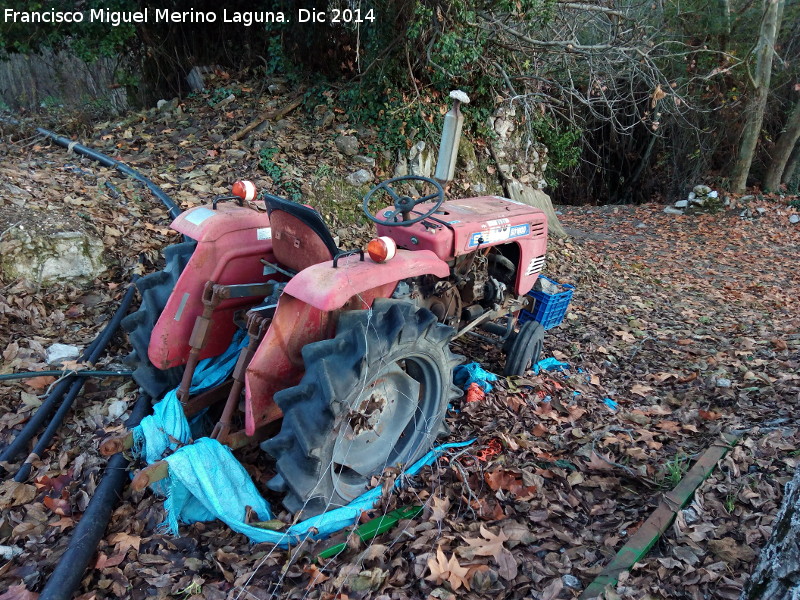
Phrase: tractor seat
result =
(300, 237)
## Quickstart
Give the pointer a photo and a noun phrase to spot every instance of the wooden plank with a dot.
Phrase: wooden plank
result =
(640, 542)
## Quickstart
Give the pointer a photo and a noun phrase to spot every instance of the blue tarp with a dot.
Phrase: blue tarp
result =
(466, 375)
(206, 482)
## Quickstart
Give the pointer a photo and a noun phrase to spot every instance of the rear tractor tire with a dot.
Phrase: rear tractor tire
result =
(373, 396)
(155, 290)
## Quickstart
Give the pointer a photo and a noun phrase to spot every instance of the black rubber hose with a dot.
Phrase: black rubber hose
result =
(85, 373)
(173, 208)
(102, 341)
(20, 442)
(67, 575)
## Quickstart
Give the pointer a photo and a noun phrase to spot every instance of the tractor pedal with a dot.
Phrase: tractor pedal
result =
(239, 439)
(158, 471)
(116, 444)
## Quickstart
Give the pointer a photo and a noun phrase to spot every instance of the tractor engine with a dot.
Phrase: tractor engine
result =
(478, 282)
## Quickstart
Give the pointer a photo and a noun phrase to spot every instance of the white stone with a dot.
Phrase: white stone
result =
(360, 177)
(421, 160)
(347, 144)
(702, 190)
(58, 353)
(401, 168)
(672, 211)
(681, 204)
(692, 195)
(364, 160)
(723, 382)
(59, 256)
(713, 194)
(794, 219)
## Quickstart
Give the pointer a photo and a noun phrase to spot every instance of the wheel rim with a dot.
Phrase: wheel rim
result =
(389, 422)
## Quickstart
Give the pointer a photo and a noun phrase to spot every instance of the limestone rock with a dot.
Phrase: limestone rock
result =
(58, 353)
(364, 160)
(420, 160)
(347, 144)
(360, 177)
(49, 257)
(702, 190)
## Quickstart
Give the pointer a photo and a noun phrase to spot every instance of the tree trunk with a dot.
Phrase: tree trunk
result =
(792, 171)
(765, 48)
(783, 150)
(777, 574)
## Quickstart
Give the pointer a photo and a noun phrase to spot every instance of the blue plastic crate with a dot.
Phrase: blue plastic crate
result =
(548, 309)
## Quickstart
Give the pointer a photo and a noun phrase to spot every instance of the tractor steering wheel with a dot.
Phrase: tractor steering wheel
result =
(403, 204)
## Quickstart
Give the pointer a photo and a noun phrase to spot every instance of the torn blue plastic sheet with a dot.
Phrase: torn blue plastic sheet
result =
(550, 364)
(610, 404)
(206, 482)
(466, 375)
(168, 426)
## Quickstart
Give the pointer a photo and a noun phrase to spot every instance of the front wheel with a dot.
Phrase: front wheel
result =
(374, 396)
(524, 349)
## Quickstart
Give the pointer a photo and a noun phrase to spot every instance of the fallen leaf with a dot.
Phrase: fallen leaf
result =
(489, 545)
(439, 508)
(444, 569)
(508, 565)
(18, 592)
(13, 493)
(708, 415)
(317, 576)
(40, 383)
(104, 561)
(122, 541)
(728, 550)
(60, 506)
(641, 390)
(598, 463)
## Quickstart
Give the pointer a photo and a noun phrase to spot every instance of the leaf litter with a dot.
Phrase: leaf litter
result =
(687, 325)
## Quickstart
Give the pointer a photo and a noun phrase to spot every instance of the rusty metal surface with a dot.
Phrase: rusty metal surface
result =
(295, 244)
(228, 253)
(278, 362)
(492, 217)
(327, 288)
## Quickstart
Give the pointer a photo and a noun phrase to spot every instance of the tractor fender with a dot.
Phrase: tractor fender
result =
(328, 288)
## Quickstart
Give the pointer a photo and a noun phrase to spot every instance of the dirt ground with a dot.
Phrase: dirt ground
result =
(680, 328)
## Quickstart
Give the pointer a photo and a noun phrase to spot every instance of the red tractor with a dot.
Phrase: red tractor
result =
(348, 369)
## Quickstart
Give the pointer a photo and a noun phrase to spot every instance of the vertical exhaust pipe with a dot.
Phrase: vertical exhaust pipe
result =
(451, 136)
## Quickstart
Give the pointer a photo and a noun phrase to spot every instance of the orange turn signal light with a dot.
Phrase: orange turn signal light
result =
(246, 190)
(381, 249)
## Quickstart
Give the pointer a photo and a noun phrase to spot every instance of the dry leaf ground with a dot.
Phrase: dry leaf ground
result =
(666, 309)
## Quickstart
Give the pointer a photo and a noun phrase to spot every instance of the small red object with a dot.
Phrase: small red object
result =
(382, 249)
(246, 190)
(493, 448)
(475, 393)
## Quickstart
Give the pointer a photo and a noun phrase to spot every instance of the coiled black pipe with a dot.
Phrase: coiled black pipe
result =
(173, 208)
(90, 529)
(83, 373)
(102, 341)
